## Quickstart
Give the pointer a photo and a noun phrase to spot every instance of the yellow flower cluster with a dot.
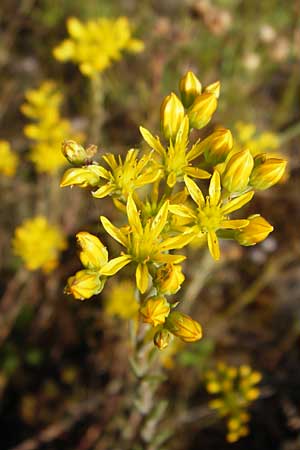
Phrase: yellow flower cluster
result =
(48, 129)
(39, 244)
(236, 390)
(163, 209)
(8, 159)
(96, 44)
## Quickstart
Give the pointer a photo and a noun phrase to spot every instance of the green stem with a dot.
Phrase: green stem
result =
(97, 112)
(290, 133)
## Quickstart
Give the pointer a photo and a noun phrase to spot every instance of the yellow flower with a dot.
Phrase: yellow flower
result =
(48, 129)
(183, 326)
(88, 176)
(143, 243)
(8, 159)
(120, 300)
(168, 279)
(124, 178)
(256, 231)
(211, 214)
(235, 177)
(93, 253)
(96, 44)
(38, 244)
(267, 172)
(175, 160)
(84, 284)
(190, 87)
(171, 116)
(154, 310)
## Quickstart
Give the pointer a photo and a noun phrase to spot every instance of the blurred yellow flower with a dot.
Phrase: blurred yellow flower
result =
(96, 44)
(8, 159)
(48, 129)
(38, 243)
(236, 389)
(120, 300)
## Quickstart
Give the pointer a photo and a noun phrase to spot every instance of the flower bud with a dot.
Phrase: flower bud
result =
(84, 284)
(257, 231)
(217, 146)
(214, 88)
(183, 326)
(162, 339)
(202, 109)
(235, 177)
(190, 88)
(267, 173)
(171, 116)
(74, 152)
(93, 254)
(81, 176)
(169, 279)
(155, 310)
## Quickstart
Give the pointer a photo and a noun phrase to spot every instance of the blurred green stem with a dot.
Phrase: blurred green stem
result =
(97, 112)
(290, 133)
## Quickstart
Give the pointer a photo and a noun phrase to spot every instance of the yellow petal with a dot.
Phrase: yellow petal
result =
(113, 231)
(114, 265)
(237, 202)
(197, 173)
(103, 191)
(167, 258)
(176, 242)
(182, 211)
(133, 216)
(142, 277)
(194, 191)
(152, 141)
(215, 188)
(160, 220)
(234, 224)
(213, 245)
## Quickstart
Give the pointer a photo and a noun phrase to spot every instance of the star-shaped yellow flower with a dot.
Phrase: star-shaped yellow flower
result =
(144, 244)
(211, 213)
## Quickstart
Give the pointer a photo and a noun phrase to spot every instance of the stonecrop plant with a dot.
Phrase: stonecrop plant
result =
(94, 45)
(235, 389)
(179, 189)
(47, 128)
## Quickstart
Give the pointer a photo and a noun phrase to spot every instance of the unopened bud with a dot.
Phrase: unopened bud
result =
(214, 88)
(74, 152)
(217, 146)
(183, 326)
(155, 310)
(84, 284)
(93, 254)
(171, 116)
(202, 109)
(267, 173)
(169, 279)
(257, 231)
(235, 177)
(162, 339)
(190, 88)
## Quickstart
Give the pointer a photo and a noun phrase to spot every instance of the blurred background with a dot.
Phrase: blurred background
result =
(64, 373)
